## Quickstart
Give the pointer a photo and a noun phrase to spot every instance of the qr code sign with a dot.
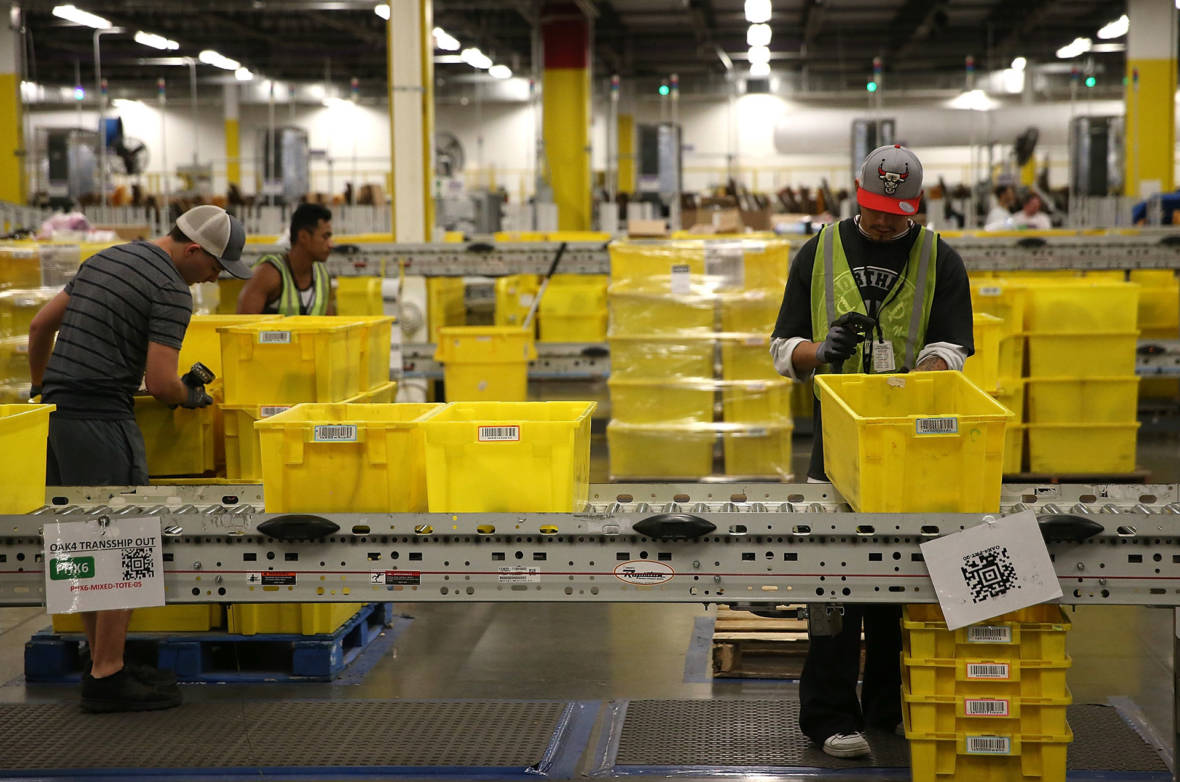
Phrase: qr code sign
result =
(138, 564)
(989, 574)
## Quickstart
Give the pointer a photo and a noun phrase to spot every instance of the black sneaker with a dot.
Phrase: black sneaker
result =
(148, 674)
(122, 691)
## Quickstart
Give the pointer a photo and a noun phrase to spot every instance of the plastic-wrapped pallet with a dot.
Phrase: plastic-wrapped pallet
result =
(690, 365)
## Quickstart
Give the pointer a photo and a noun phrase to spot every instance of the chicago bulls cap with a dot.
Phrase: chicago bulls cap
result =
(890, 181)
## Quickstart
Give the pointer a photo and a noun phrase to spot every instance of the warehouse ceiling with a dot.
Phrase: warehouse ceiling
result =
(829, 41)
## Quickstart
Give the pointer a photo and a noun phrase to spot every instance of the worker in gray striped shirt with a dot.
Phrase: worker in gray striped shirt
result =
(119, 323)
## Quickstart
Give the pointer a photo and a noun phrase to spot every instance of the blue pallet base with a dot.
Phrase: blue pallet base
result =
(221, 657)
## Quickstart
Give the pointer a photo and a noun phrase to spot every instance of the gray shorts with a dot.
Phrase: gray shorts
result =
(95, 453)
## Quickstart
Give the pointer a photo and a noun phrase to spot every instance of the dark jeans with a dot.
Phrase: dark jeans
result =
(95, 452)
(827, 688)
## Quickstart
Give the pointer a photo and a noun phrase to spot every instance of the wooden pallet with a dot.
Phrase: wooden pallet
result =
(747, 646)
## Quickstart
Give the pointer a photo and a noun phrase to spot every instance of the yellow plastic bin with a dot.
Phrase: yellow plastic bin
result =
(359, 296)
(1082, 355)
(747, 358)
(446, 304)
(1082, 448)
(1035, 633)
(18, 307)
(639, 451)
(177, 441)
(485, 363)
(1011, 396)
(514, 296)
(14, 359)
(186, 618)
(203, 343)
(661, 358)
(917, 443)
(754, 312)
(508, 457)
(1159, 298)
(347, 458)
(289, 618)
(376, 343)
(986, 757)
(298, 359)
(635, 313)
(758, 451)
(983, 368)
(1095, 400)
(228, 291)
(763, 402)
(20, 265)
(573, 309)
(1082, 307)
(24, 435)
(984, 677)
(647, 402)
(982, 714)
(1006, 299)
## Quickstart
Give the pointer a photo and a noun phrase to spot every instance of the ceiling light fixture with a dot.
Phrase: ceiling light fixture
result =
(500, 72)
(1116, 29)
(155, 41)
(758, 35)
(759, 54)
(1019, 64)
(759, 70)
(382, 10)
(210, 57)
(76, 15)
(445, 41)
(243, 74)
(1074, 48)
(973, 100)
(758, 11)
(476, 59)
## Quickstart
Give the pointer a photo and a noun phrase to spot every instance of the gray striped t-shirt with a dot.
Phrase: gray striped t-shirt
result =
(121, 298)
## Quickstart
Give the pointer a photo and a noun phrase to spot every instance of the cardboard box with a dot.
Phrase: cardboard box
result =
(639, 229)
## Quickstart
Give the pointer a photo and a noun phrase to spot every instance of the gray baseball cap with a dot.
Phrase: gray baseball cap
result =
(220, 234)
(891, 181)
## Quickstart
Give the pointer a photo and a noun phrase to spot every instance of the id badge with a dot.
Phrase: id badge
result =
(883, 357)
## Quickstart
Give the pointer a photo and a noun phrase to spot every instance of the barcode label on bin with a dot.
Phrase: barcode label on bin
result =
(266, 411)
(335, 433)
(985, 707)
(989, 745)
(989, 635)
(274, 338)
(681, 279)
(990, 290)
(498, 434)
(937, 425)
(988, 671)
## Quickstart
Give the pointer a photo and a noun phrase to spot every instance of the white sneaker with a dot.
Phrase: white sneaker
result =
(847, 745)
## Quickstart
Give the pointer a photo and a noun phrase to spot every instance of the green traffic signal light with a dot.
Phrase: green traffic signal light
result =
(664, 89)
(1091, 81)
(871, 86)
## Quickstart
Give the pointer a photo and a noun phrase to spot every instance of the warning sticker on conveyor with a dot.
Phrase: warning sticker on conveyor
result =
(520, 575)
(271, 578)
(396, 577)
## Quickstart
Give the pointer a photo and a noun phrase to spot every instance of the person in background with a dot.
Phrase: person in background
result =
(295, 282)
(883, 265)
(120, 322)
(997, 218)
(1030, 215)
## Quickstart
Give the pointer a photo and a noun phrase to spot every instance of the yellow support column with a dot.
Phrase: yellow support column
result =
(565, 96)
(233, 149)
(1150, 101)
(12, 174)
(410, 56)
(626, 182)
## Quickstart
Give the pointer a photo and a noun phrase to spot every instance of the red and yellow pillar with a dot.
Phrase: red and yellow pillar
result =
(565, 100)
(1150, 102)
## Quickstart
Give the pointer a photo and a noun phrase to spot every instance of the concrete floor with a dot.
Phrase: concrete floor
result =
(599, 652)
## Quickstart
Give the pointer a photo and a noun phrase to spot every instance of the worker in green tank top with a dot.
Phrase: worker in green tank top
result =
(295, 282)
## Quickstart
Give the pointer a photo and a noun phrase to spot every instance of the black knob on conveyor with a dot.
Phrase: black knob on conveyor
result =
(670, 526)
(595, 351)
(1067, 528)
(298, 527)
(1031, 242)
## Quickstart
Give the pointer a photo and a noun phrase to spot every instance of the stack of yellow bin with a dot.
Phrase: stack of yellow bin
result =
(987, 701)
(1082, 392)
(573, 309)
(1159, 318)
(672, 305)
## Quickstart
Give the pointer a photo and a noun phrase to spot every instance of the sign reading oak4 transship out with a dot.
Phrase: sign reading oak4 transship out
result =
(91, 566)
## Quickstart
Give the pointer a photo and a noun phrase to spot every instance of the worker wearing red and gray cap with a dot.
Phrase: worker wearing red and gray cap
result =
(913, 287)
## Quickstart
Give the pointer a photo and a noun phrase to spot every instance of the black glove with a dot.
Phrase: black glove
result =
(838, 346)
(196, 397)
(34, 392)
